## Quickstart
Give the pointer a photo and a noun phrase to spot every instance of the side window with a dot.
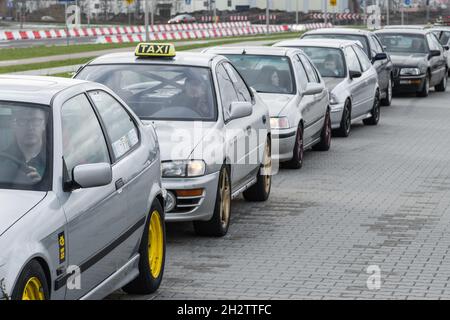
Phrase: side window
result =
(84, 146)
(302, 76)
(241, 88)
(227, 91)
(378, 44)
(363, 59)
(120, 127)
(376, 47)
(432, 43)
(312, 76)
(352, 60)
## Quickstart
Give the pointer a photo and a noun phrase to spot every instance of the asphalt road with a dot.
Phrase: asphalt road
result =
(379, 199)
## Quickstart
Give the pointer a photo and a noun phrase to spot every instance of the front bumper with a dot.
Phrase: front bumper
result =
(409, 83)
(198, 208)
(283, 143)
(337, 111)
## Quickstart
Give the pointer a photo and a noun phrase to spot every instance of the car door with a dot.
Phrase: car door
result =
(383, 67)
(132, 160)
(95, 217)
(236, 131)
(315, 112)
(357, 86)
(258, 120)
(437, 64)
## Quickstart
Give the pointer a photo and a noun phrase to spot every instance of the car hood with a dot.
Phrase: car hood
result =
(276, 102)
(178, 139)
(15, 204)
(410, 59)
(332, 83)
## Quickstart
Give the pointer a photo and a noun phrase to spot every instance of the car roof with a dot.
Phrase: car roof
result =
(340, 31)
(33, 89)
(181, 58)
(440, 28)
(254, 50)
(332, 43)
(404, 31)
(406, 27)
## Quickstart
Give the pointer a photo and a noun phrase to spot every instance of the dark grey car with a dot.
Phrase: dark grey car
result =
(372, 47)
(419, 59)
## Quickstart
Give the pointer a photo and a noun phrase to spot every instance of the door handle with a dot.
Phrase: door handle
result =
(264, 119)
(248, 130)
(120, 184)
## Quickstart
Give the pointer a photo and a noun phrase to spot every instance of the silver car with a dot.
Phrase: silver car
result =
(443, 34)
(296, 94)
(213, 130)
(350, 77)
(80, 192)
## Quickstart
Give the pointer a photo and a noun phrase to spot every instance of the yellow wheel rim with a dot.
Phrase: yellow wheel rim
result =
(33, 290)
(155, 244)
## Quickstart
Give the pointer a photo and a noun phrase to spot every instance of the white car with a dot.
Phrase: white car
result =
(350, 77)
(296, 94)
(213, 130)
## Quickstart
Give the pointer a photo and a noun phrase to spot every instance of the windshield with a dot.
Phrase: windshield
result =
(329, 61)
(159, 92)
(404, 43)
(24, 147)
(266, 74)
(361, 39)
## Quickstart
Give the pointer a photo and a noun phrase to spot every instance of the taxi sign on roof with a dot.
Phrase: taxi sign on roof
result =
(155, 50)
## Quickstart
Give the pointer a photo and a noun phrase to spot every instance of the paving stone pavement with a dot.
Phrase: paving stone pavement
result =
(378, 198)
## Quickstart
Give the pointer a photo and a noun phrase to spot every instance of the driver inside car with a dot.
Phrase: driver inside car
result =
(194, 96)
(24, 161)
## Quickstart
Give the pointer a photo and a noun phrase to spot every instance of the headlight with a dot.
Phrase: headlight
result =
(279, 123)
(333, 99)
(183, 169)
(410, 72)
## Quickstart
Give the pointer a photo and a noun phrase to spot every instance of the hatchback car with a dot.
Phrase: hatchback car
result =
(296, 94)
(350, 78)
(419, 60)
(372, 48)
(80, 192)
(213, 130)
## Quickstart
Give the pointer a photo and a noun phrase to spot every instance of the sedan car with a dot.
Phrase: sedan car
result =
(350, 78)
(182, 18)
(296, 94)
(80, 192)
(214, 131)
(419, 60)
(372, 48)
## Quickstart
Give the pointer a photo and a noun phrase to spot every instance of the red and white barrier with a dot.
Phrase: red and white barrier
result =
(108, 31)
(194, 34)
(264, 17)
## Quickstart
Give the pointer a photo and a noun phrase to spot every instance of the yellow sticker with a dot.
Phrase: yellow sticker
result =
(62, 247)
(155, 50)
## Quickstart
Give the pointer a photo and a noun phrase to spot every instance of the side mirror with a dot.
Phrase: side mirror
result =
(447, 47)
(355, 74)
(92, 175)
(240, 110)
(434, 53)
(312, 89)
(380, 56)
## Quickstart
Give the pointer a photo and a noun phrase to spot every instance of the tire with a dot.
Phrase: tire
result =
(325, 135)
(442, 86)
(346, 121)
(426, 88)
(298, 153)
(32, 284)
(260, 191)
(220, 221)
(387, 101)
(375, 118)
(152, 258)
